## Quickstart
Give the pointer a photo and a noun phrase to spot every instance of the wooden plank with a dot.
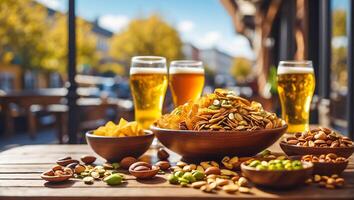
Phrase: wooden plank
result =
(165, 193)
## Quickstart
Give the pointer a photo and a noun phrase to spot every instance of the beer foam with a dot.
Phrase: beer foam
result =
(147, 70)
(294, 70)
(186, 70)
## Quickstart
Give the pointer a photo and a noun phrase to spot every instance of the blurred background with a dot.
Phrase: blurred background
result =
(239, 41)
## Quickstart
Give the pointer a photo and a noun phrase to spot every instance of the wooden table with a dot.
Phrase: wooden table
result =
(20, 170)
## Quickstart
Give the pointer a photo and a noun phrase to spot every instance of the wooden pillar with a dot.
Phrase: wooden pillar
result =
(71, 85)
(325, 48)
(287, 24)
(350, 100)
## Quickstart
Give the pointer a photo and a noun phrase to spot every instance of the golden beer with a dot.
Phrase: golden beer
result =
(296, 84)
(186, 84)
(148, 87)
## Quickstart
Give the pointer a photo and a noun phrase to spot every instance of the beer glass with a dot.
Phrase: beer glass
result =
(296, 84)
(148, 83)
(186, 80)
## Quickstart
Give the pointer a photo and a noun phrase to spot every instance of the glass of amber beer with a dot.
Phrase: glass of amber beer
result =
(186, 80)
(296, 84)
(148, 83)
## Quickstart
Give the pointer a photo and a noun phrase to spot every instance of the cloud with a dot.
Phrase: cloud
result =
(209, 40)
(53, 4)
(114, 23)
(238, 46)
(185, 26)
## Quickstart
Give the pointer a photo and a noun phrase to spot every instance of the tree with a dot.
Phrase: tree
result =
(241, 69)
(339, 18)
(151, 36)
(22, 28)
(57, 42)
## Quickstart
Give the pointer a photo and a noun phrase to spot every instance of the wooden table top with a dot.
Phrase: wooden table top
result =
(20, 170)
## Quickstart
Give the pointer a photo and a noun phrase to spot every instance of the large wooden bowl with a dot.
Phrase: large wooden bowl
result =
(292, 150)
(278, 179)
(115, 148)
(217, 144)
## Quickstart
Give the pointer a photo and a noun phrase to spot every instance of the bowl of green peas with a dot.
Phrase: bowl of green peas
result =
(277, 173)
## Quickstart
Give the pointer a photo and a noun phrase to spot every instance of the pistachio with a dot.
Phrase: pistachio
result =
(95, 175)
(114, 179)
(231, 188)
(242, 182)
(172, 179)
(200, 168)
(181, 164)
(88, 180)
(198, 184)
(221, 182)
(244, 190)
(108, 166)
(207, 188)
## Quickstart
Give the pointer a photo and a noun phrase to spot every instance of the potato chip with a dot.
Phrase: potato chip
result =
(122, 129)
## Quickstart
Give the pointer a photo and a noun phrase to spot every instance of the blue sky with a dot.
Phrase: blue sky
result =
(204, 23)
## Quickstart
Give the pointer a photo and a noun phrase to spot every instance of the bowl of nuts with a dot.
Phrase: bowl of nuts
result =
(278, 174)
(325, 164)
(114, 142)
(218, 124)
(317, 141)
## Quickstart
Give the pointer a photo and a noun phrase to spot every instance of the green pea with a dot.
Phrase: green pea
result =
(114, 179)
(189, 176)
(183, 180)
(179, 173)
(172, 179)
(272, 167)
(261, 167)
(115, 165)
(254, 163)
(198, 175)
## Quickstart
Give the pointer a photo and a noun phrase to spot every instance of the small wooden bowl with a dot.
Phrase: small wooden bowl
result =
(278, 179)
(292, 150)
(55, 179)
(113, 149)
(217, 144)
(145, 174)
(327, 169)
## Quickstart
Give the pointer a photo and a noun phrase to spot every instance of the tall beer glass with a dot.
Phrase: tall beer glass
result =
(186, 80)
(296, 84)
(148, 83)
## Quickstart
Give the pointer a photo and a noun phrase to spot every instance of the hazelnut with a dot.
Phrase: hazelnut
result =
(164, 165)
(212, 170)
(126, 162)
(87, 159)
(66, 161)
(162, 154)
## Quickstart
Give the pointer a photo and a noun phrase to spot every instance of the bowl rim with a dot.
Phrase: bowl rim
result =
(301, 147)
(298, 157)
(213, 133)
(308, 167)
(148, 133)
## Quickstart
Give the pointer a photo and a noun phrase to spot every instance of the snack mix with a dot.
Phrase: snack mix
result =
(220, 111)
